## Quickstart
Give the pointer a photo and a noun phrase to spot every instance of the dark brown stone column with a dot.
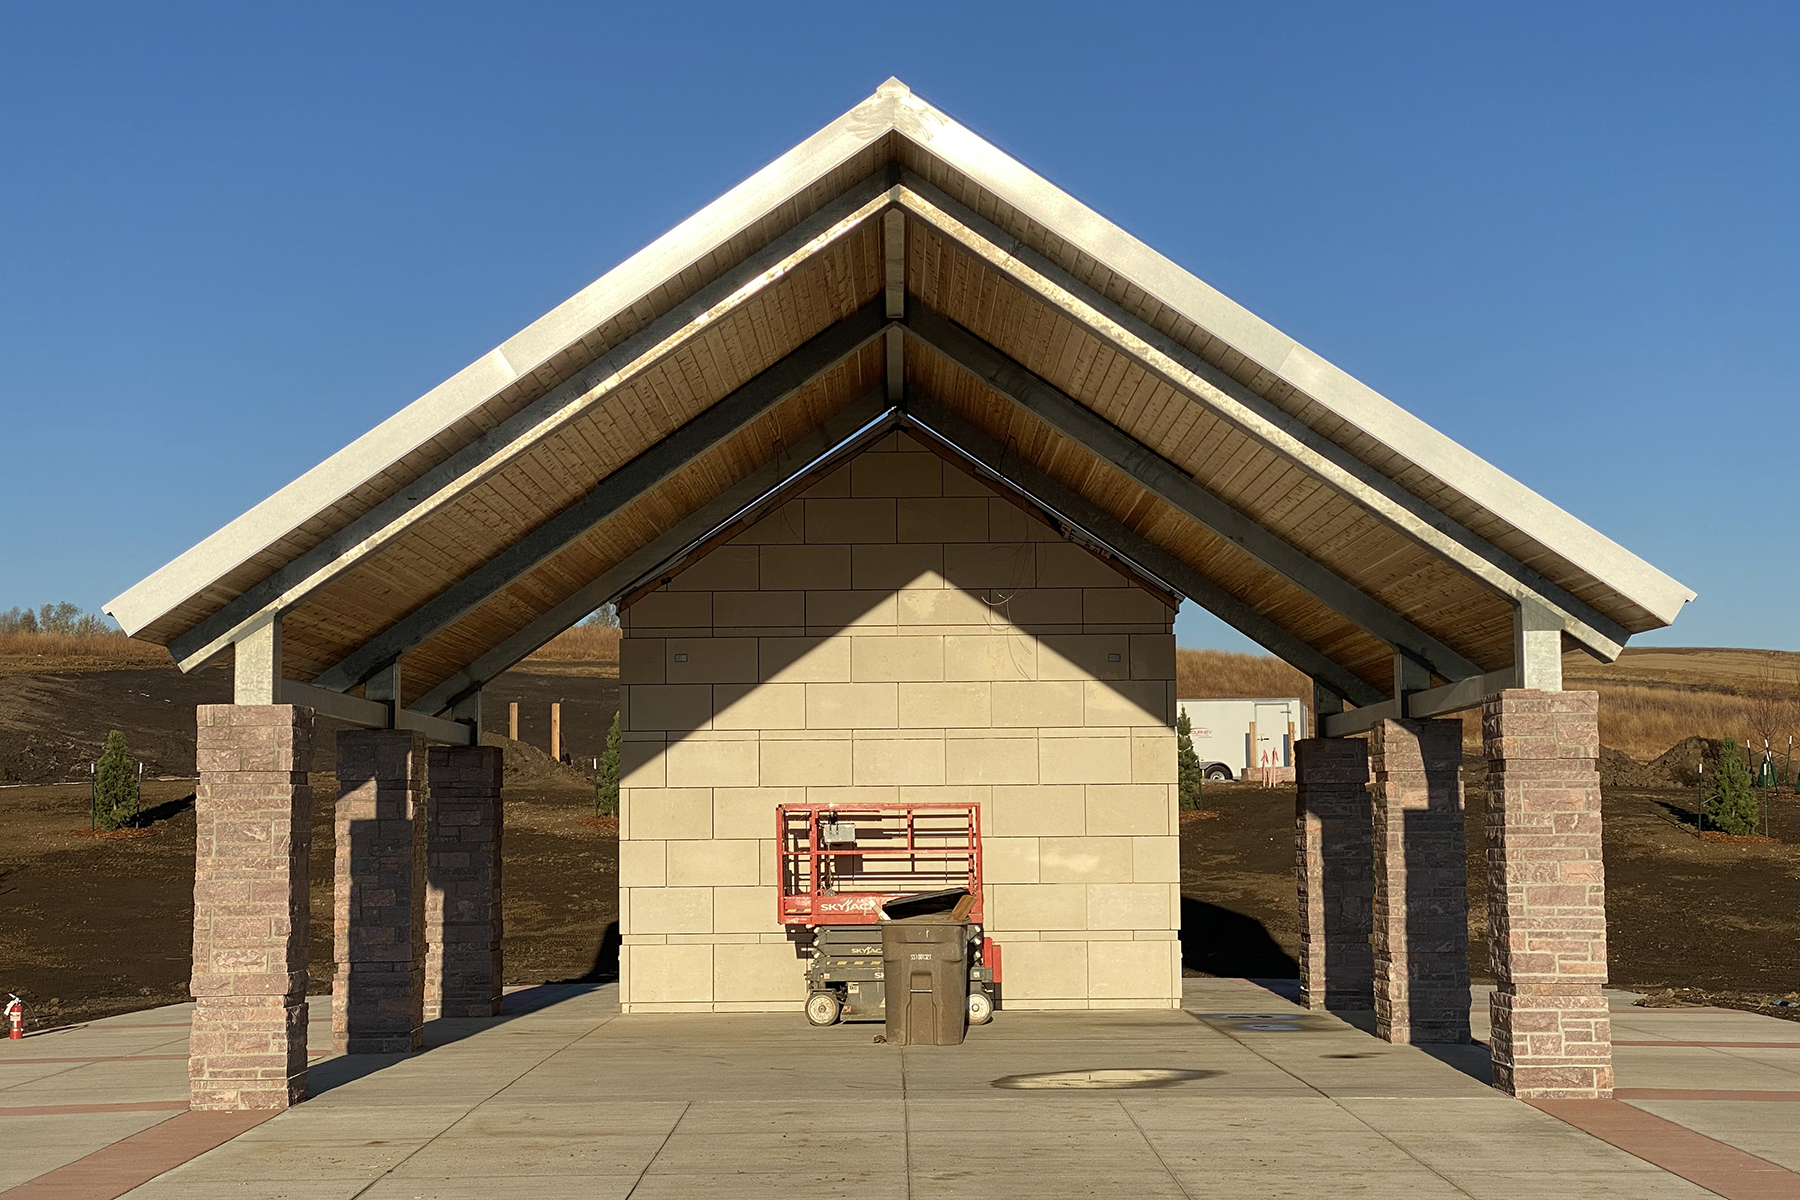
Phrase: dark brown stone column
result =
(379, 896)
(1421, 931)
(253, 817)
(463, 966)
(1335, 862)
(1552, 1036)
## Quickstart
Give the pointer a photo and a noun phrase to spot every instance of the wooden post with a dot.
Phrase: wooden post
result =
(556, 730)
(512, 720)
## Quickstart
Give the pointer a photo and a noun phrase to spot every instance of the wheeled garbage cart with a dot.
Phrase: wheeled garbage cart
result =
(839, 865)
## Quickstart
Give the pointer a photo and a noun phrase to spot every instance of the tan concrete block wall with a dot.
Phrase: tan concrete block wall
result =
(899, 632)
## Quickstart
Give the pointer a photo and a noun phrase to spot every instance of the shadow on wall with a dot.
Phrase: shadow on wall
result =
(606, 959)
(1217, 941)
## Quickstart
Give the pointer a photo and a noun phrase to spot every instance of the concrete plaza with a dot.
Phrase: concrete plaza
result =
(1239, 1093)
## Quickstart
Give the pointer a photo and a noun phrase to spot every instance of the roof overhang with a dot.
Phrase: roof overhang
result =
(894, 260)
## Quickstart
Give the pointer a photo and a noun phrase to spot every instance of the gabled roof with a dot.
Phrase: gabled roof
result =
(894, 253)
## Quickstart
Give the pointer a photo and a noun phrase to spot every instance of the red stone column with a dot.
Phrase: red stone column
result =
(253, 813)
(1421, 932)
(1335, 862)
(463, 972)
(1552, 1037)
(378, 900)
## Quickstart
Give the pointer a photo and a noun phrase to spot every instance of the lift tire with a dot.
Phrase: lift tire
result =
(822, 1008)
(981, 1008)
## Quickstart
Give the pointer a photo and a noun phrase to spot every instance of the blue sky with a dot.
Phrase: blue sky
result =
(233, 237)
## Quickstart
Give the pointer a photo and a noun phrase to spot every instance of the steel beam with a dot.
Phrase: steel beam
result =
(628, 483)
(1163, 478)
(670, 545)
(256, 665)
(975, 445)
(1455, 697)
(490, 452)
(373, 714)
(1055, 287)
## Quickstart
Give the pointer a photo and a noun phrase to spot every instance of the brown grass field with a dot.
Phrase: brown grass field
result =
(1652, 698)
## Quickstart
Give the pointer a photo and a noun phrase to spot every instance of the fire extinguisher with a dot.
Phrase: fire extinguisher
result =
(15, 1018)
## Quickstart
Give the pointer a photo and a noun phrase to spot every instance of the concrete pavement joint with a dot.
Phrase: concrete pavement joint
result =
(664, 1145)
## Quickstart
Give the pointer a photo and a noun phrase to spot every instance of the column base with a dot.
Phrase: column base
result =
(247, 1054)
(1552, 1044)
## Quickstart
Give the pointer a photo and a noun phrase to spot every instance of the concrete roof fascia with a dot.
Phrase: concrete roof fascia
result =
(1329, 385)
(518, 356)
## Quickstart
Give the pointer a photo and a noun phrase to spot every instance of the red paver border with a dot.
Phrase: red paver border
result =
(1732, 1173)
(1704, 1094)
(1720, 1045)
(75, 1110)
(10, 1062)
(111, 1172)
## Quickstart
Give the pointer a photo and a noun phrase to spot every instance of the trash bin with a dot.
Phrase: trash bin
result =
(925, 966)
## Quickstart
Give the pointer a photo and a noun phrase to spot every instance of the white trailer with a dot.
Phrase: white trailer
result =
(1233, 736)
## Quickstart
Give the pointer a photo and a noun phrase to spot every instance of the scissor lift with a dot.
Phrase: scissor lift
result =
(839, 864)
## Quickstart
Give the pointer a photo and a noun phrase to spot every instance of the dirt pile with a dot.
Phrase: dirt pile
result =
(1676, 767)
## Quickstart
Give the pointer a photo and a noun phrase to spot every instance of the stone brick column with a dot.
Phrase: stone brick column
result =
(378, 900)
(1335, 871)
(1421, 932)
(1552, 1036)
(253, 812)
(462, 898)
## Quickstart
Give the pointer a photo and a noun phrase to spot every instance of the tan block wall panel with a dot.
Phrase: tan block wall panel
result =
(800, 659)
(670, 910)
(750, 812)
(1132, 970)
(1130, 906)
(1085, 860)
(1037, 703)
(669, 973)
(900, 633)
(1153, 757)
(945, 705)
(697, 763)
(642, 863)
(1042, 811)
(713, 863)
(1156, 860)
(852, 706)
(1046, 971)
(946, 520)
(1036, 906)
(759, 706)
(897, 659)
(758, 971)
(727, 569)
(991, 760)
(665, 813)
(1127, 809)
(1084, 759)
(710, 660)
(885, 762)
(891, 568)
(745, 910)
(794, 764)
(1009, 860)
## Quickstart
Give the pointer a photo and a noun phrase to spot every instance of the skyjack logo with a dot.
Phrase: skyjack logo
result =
(849, 904)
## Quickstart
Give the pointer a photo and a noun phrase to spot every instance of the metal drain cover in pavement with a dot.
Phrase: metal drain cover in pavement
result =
(1260, 1022)
(1113, 1077)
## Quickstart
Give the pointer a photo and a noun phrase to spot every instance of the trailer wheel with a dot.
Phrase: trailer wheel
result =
(822, 1008)
(981, 1009)
(1218, 771)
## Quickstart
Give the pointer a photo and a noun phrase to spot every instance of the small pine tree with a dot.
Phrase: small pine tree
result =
(1731, 805)
(115, 785)
(1187, 764)
(606, 784)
